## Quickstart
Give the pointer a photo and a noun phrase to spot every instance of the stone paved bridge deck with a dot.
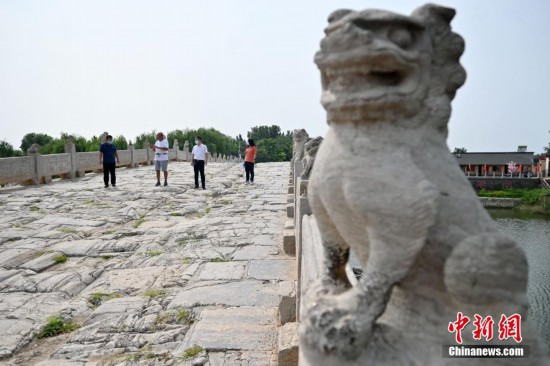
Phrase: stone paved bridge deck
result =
(150, 271)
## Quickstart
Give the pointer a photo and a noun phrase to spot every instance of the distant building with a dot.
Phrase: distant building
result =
(497, 163)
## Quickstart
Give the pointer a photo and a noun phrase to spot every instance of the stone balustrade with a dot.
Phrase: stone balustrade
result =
(36, 168)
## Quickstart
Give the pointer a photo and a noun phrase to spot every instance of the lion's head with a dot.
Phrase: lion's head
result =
(376, 63)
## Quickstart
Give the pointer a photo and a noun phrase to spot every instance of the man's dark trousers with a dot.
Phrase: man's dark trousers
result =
(199, 168)
(109, 168)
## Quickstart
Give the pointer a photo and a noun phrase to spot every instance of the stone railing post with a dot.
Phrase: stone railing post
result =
(70, 148)
(147, 147)
(176, 148)
(40, 170)
(133, 158)
(186, 151)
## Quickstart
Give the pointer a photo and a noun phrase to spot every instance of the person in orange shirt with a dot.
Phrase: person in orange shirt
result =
(249, 157)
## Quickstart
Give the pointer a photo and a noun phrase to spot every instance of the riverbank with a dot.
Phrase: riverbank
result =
(522, 200)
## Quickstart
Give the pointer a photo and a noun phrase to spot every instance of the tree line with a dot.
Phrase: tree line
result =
(272, 144)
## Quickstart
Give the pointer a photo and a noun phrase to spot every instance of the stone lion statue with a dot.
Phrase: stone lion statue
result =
(299, 137)
(385, 186)
(310, 150)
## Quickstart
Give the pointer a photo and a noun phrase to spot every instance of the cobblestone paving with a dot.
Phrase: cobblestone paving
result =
(151, 275)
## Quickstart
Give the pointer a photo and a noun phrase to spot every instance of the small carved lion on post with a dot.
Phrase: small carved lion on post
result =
(385, 185)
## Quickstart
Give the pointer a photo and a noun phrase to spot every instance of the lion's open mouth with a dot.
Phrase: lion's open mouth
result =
(381, 75)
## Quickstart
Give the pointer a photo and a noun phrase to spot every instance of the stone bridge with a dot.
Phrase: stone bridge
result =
(150, 275)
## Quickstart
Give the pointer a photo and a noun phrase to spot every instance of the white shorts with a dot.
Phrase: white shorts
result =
(161, 165)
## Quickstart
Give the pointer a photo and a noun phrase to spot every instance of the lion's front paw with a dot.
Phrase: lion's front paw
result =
(335, 323)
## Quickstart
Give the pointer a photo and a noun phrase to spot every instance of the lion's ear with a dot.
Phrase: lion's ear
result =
(338, 14)
(431, 13)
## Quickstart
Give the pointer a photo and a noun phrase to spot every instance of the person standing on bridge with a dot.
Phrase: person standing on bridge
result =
(161, 157)
(108, 156)
(249, 157)
(199, 159)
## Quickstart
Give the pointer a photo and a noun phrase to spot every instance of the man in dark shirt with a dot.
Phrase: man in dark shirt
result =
(107, 155)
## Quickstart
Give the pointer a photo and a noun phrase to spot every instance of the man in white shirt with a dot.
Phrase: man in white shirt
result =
(161, 157)
(199, 159)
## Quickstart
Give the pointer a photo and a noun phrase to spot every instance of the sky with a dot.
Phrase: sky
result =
(133, 66)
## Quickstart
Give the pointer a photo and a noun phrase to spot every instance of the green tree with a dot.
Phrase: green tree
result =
(264, 132)
(216, 141)
(460, 150)
(120, 143)
(271, 143)
(6, 149)
(34, 138)
(151, 137)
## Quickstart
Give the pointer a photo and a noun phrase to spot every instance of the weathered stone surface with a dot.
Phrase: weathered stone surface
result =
(427, 247)
(136, 266)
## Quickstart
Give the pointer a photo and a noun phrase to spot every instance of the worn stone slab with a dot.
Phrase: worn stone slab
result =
(242, 293)
(76, 248)
(255, 252)
(21, 316)
(157, 224)
(290, 210)
(68, 221)
(263, 240)
(277, 269)
(60, 362)
(42, 262)
(13, 258)
(15, 333)
(287, 301)
(289, 241)
(115, 307)
(288, 344)
(223, 271)
(244, 328)
(69, 282)
(125, 281)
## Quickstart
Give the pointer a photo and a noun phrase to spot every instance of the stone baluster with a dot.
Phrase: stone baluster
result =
(41, 175)
(186, 155)
(176, 148)
(147, 147)
(70, 148)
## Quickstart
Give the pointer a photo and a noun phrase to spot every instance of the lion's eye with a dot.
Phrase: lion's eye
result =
(401, 37)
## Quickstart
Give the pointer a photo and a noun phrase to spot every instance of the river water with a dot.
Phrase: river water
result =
(532, 233)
